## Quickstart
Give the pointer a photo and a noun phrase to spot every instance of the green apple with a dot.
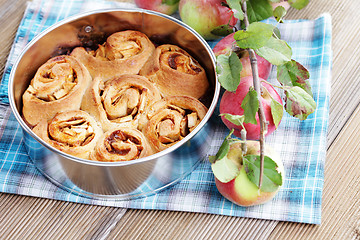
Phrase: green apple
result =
(205, 15)
(235, 184)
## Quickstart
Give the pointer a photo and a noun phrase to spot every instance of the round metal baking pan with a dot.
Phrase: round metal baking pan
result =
(114, 180)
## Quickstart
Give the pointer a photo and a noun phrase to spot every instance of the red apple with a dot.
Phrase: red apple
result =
(225, 45)
(205, 15)
(231, 103)
(167, 7)
(241, 190)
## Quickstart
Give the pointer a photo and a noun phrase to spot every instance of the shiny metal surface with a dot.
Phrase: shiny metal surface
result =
(120, 180)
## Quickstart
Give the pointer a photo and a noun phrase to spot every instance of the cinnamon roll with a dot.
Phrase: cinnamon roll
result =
(59, 84)
(74, 132)
(170, 120)
(119, 102)
(123, 52)
(175, 72)
(121, 144)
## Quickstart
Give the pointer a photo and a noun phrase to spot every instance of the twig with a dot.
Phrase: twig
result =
(256, 80)
(243, 144)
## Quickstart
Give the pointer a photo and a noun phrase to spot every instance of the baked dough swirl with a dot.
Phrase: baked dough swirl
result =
(123, 52)
(119, 102)
(58, 85)
(74, 132)
(121, 144)
(170, 119)
(175, 72)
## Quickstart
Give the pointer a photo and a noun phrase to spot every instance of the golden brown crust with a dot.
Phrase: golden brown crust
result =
(119, 102)
(121, 144)
(58, 85)
(124, 52)
(74, 132)
(171, 119)
(175, 72)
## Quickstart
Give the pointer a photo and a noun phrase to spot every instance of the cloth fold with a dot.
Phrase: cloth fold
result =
(302, 144)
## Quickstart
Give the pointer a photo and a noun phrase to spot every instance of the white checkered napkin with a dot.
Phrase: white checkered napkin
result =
(301, 144)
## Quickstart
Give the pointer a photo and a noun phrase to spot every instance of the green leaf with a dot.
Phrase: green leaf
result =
(299, 103)
(277, 111)
(170, 2)
(228, 69)
(276, 51)
(258, 10)
(226, 166)
(277, 33)
(223, 150)
(292, 73)
(225, 169)
(272, 178)
(222, 30)
(274, 1)
(255, 36)
(235, 5)
(279, 13)
(298, 4)
(238, 120)
(250, 105)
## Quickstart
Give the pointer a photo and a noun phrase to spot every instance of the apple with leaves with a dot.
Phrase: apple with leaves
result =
(236, 168)
(206, 15)
(228, 44)
(247, 172)
(164, 6)
(235, 104)
(259, 38)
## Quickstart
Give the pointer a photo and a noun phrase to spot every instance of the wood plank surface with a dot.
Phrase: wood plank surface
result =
(341, 195)
(11, 13)
(24, 217)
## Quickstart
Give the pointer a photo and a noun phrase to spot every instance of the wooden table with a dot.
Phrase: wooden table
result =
(35, 218)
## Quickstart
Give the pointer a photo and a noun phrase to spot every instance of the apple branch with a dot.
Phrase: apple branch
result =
(262, 119)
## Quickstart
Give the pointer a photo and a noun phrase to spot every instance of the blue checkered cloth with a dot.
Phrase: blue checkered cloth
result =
(302, 144)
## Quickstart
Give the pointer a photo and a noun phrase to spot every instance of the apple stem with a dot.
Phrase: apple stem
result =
(262, 119)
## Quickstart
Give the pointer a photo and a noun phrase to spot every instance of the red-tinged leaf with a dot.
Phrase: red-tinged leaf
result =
(299, 103)
(292, 73)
